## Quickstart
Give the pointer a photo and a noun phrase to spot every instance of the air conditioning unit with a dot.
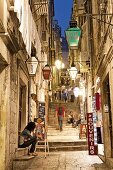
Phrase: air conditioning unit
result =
(44, 36)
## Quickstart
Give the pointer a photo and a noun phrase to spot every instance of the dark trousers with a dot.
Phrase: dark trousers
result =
(31, 142)
(60, 122)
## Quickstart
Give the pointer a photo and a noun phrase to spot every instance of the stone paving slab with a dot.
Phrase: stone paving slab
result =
(75, 160)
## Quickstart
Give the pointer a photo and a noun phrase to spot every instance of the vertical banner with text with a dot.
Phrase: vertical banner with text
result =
(90, 130)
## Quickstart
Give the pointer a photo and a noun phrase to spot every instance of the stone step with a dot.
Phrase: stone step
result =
(65, 125)
(54, 144)
(67, 106)
(22, 162)
(21, 152)
(76, 143)
(63, 148)
(68, 148)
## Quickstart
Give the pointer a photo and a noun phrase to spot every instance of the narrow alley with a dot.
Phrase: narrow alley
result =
(56, 84)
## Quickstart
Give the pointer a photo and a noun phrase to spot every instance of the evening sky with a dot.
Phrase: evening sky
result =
(63, 13)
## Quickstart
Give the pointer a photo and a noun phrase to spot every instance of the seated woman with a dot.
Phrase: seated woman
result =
(70, 118)
(27, 139)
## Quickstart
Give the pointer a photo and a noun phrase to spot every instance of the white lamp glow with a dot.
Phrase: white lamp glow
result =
(63, 65)
(73, 72)
(76, 91)
(58, 64)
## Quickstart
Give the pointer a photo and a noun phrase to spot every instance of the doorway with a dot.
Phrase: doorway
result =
(107, 101)
(22, 109)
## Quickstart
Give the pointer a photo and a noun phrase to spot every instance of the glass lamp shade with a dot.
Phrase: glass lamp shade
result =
(73, 72)
(73, 36)
(46, 72)
(32, 65)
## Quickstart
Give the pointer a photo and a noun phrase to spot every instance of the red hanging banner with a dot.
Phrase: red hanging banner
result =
(97, 101)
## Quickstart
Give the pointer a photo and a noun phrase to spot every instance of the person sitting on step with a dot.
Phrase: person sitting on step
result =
(28, 139)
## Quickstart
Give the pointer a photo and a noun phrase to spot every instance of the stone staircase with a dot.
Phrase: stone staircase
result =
(68, 139)
(68, 107)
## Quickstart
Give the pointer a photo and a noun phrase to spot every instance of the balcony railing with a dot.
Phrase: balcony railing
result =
(41, 7)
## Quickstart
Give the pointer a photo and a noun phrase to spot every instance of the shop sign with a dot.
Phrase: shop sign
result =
(90, 130)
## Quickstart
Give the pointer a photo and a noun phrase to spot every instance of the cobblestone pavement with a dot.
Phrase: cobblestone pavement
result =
(76, 160)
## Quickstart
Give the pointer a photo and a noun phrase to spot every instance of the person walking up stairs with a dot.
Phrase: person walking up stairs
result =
(60, 114)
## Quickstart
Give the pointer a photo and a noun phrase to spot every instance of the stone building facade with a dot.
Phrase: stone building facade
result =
(103, 63)
(95, 20)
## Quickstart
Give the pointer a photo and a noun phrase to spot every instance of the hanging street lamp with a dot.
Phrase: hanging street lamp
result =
(73, 36)
(46, 72)
(32, 64)
(73, 71)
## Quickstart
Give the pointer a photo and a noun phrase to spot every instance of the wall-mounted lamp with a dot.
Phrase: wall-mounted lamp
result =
(73, 71)
(32, 63)
(46, 72)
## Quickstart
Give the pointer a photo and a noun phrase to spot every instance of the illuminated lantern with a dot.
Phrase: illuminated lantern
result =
(73, 36)
(32, 64)
(46, 72)
(73, 71)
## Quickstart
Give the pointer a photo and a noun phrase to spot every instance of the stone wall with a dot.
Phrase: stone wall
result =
(4, 105)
